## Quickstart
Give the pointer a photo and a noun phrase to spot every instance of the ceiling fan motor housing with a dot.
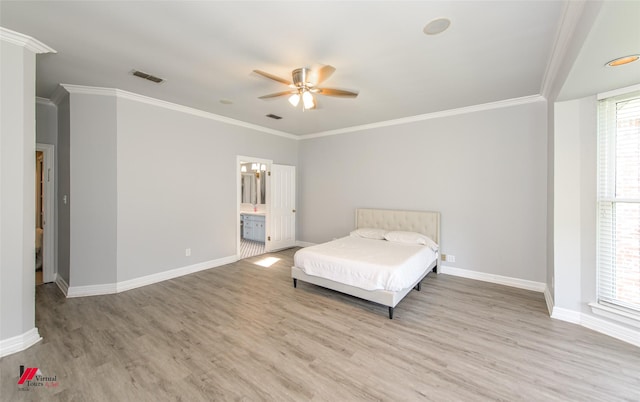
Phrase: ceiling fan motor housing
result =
(300, 76)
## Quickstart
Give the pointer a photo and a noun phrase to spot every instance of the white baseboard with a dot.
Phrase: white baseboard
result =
(111, 288)
(174, 273)
(564, 314)
(501, 280)
(20, 342)
(62, 284)
(548, 298)
(575, 317)
(91, 290)
(613, 330)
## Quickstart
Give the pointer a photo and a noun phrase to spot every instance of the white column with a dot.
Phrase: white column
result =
(17, 192)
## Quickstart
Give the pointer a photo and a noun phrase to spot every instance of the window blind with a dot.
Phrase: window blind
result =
(619, 201)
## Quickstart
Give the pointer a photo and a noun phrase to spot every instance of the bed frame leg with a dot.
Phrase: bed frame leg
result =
(295, 283)
(391, 313)
(418, 287)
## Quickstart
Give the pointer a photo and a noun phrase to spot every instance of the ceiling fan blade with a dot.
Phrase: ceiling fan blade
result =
(336, 92)
(272, 77)
(324, 73)
(275, 95)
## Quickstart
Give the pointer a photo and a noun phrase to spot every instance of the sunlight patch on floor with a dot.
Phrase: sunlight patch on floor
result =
(267, 262)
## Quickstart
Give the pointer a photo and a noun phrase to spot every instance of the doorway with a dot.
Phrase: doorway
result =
(44, 214)
(253, 212)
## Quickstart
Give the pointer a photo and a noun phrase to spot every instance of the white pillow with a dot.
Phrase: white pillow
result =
(412, 238)
(369, 233)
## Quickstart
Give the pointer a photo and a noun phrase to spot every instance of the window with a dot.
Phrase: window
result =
(619, 202)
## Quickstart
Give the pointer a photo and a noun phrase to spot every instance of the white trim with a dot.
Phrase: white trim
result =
(548, 298)
(86, 90)
(570, 18)
(62, 285)
(44, 101)
(597, 324)
(615, 314)
(499, 279)
(564, 314)
(619, 91)
(58, 95)
(428, 116)
(25, 41)
(19, 342)
(111, 288)
(171, 274)
(614, 330)
(49, 243)
(91, 290)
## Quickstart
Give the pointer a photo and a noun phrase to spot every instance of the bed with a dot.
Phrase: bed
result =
(344, 264)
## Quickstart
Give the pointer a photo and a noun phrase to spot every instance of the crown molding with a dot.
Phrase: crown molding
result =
(25, 41)
(85, 90)
(44, 101)
(58, 95)
(566, 29)
(429, 116)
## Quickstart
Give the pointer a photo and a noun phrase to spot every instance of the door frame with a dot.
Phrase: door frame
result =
(49, 268)
(267, 220)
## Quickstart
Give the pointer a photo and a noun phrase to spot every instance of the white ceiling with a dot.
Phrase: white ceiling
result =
(493, 51)
(615, 33)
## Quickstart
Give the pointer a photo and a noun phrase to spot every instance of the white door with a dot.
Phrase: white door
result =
(282, 226)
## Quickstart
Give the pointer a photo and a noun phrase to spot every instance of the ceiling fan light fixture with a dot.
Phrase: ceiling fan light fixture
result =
(304, 85)
(294, 99)
(307, 100)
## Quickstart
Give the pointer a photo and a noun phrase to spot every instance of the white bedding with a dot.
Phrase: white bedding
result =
(366, 263)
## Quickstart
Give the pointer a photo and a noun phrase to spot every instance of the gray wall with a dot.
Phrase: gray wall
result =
(177, 186)
(485, 172)
(92, 198)
(46, 122)
(145, 183)
(64, 185)
(17, 191)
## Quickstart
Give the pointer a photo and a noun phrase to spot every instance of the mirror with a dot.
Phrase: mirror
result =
(249, 188)
(253, 183)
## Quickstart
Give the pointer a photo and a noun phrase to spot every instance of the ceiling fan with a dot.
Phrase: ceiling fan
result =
(304, 85)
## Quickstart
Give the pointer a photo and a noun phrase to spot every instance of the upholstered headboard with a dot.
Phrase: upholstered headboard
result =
(427, 223)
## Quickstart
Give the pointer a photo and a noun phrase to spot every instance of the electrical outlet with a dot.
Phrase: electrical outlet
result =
(187, 252)
(451, 258)
(443, 257)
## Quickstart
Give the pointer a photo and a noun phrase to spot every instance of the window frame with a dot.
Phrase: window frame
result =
(606, 304)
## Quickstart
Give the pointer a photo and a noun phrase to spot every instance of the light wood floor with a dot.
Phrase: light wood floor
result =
(242, 332)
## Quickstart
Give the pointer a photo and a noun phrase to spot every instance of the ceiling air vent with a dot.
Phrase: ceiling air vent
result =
(273, 116)
(149, 77)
